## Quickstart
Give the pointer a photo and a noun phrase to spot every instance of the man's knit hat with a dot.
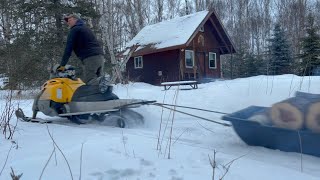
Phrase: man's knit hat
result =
(76, 16)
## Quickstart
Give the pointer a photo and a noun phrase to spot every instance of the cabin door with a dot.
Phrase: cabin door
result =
(201, 64)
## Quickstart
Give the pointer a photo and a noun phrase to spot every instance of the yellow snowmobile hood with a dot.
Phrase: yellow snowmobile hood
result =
(60, 90)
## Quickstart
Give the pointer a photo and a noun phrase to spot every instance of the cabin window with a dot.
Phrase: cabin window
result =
(138, 62)
(189, 58)
(212, 60)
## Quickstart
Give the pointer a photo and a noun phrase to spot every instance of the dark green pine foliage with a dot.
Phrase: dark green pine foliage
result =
(239, 65)
(38, 38)
(255, 65)
(310, 45)
(247, 64)
(279, 52)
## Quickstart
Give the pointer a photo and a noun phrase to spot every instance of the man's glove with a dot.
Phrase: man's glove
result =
(61, 68)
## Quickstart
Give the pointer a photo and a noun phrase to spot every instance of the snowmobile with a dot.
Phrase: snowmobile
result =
(65, 95)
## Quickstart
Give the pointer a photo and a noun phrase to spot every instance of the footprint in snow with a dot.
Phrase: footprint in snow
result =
(172, 172)
(121, 174)
(145, 162)
(114, 150)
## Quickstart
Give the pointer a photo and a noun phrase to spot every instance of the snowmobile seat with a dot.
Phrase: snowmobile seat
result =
(89, 93)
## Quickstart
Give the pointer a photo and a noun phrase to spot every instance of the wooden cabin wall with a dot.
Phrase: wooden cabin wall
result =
(212, 45)
(167, 62)
(201, 51)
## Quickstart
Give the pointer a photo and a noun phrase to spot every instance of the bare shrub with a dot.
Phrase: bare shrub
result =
(15, 177)
(14, 145)
(25, 94)
(6, 125)
(54, 149)
(226, 167)
(168, 128)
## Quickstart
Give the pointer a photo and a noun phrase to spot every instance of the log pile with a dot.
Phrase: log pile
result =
(313, 117)
(296, 113)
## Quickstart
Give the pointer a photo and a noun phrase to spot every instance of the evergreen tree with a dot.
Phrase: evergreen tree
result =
(255, 65)
(310, 57)
(239, 64)
(279, 52)
(248, 64)
(35, 38)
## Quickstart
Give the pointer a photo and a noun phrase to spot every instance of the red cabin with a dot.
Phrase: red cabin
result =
(182, 48)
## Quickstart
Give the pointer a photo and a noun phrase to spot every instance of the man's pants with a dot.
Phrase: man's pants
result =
(92, 69)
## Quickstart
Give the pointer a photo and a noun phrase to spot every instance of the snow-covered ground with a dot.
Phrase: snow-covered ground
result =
(99, 152)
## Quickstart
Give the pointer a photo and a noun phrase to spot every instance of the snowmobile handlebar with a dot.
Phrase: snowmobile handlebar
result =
(68, 72)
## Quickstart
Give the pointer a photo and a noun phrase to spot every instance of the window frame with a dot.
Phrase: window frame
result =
(215, 60)
(136, 62)
(185, 58)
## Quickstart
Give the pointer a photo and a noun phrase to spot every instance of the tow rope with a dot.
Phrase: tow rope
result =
(187, 107)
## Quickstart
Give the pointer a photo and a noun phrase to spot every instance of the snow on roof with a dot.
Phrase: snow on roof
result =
(169, 33)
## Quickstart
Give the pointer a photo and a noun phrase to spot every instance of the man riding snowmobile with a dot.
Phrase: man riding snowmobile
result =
(65, 95)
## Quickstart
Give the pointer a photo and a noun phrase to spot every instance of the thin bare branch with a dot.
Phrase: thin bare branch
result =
(45, 166)
(81, 161)
(5, 162)
(56, 145)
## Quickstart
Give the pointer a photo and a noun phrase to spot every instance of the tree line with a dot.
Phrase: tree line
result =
(270, 36)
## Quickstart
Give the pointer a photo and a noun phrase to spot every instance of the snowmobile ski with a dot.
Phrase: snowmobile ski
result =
(20, 115)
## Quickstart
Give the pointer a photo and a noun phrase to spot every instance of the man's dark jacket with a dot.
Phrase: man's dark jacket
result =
(82, 41)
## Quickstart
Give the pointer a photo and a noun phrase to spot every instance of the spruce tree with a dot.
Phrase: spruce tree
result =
(255, 65)
(279, 52)
(240, 69)
(36, 38)
(310, 45)
(247, 64)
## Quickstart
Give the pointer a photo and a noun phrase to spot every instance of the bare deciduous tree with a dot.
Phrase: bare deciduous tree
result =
(38, 34)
